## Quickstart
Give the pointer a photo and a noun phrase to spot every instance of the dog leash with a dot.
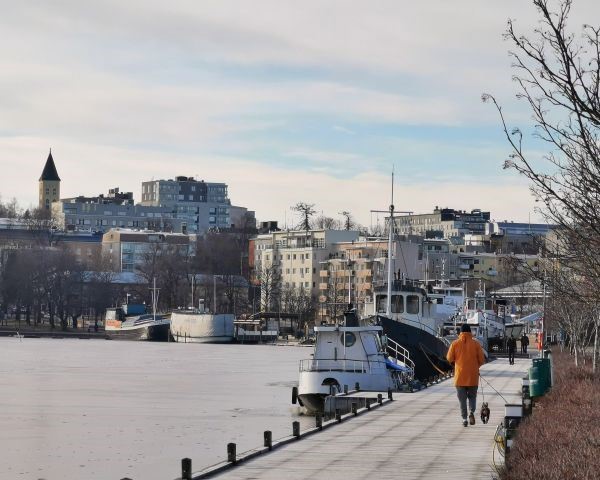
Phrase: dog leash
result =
(490, 385)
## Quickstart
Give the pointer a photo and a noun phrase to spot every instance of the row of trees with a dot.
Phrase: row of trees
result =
(557, 73)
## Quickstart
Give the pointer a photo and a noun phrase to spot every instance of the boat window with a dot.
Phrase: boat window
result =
(488, 304)
(397, 304)
(381, 303)
(349, 340)
(412, 304)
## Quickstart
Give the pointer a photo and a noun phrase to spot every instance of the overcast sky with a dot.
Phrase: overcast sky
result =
(285, 101)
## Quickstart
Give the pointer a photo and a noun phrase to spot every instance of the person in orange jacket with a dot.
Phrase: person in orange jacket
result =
(467, 356)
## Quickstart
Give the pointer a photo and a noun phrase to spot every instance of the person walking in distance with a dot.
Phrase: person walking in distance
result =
(524, 343)
(511, 345)
(467, 356)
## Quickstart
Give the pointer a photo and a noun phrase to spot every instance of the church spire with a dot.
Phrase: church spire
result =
(49, 172)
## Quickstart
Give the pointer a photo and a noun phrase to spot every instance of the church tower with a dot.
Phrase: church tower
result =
(49, 184)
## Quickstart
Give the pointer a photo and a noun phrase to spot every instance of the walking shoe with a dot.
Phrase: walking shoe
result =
(465, 423)
(471, 419)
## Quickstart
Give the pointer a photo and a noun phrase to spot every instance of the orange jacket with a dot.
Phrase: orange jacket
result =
(467, 355)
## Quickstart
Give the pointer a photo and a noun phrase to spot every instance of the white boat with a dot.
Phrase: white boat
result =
(198, 327)
(490, 322)
(348, 355)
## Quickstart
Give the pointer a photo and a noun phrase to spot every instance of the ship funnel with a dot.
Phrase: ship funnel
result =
(350, 317)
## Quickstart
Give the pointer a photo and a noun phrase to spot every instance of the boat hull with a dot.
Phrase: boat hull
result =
(427, 351)
(315, 386)
(152, 333)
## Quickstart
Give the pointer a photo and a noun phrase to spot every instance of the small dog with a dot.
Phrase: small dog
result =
(485, 413)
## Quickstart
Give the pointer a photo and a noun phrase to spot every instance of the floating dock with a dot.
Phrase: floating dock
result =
(417, 436)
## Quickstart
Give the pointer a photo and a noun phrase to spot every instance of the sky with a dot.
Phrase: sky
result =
(286, 102)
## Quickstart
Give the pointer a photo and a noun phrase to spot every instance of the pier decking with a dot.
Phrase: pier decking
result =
(417, 436)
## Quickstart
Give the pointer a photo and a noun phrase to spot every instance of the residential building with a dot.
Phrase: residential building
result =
(115, 210)
(198, 205)
(127, 250)
(442, 223)
(354, 269)
(49, 184)
(296, 254)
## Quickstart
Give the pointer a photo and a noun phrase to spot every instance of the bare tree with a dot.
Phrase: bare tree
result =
(558, 77)
(269, 279)
(306, 210)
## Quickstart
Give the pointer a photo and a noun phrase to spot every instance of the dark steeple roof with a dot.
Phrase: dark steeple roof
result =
(50, 172)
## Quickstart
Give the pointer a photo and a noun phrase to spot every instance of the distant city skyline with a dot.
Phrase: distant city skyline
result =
(313, 102)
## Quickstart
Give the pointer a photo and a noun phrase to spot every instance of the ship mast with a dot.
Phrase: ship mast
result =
(388, 302)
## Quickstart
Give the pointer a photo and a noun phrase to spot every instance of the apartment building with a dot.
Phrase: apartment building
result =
(114, 210)
(296, 254)
(197, 205)
(443, 223)
(127, 250)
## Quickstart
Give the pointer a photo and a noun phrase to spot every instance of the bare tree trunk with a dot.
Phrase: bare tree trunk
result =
(595, 351)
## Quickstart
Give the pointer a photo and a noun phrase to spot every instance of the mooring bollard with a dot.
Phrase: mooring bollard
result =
(338, 415)
(346, 389)
(390, 397)
(318, 421)
(296, 429)
(268, 436)
(186, 469)
(357, 387)
(231, 456)
(354, 408)
(379, 398)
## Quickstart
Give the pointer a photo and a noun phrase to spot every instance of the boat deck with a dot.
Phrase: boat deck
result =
(417, 436)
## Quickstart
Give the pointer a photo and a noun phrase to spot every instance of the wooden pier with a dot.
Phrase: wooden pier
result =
(417, 436)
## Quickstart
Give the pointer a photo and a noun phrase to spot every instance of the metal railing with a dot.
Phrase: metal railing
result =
(400, 353)
(340, 365)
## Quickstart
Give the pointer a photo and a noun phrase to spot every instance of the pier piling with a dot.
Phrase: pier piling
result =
(186, 469)
(296, 429)
(379, 398)
(268, 436)
(231, 455)
(338, 415)
(319, 421)
(354, 408)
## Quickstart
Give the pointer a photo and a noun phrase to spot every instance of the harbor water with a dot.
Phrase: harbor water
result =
(106, 410)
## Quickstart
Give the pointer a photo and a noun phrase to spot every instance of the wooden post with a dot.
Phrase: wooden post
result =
(319, 421)
(379, 398)
(231, 457)
(390, 394)
(368, 404)
(357, 387)
(346, 389)
(354, 409)
(296, 429)
(338, 415)
(268, 436)
(186, 469)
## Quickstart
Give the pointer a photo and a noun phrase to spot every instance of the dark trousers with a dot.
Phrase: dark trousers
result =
(523, 348)
(464, 394)
(511, 356)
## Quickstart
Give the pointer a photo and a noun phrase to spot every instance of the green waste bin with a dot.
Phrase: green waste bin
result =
(539, 377)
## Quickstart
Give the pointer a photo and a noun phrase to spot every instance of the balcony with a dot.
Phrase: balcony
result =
(464, 266)
(323, 286)
(323, 273)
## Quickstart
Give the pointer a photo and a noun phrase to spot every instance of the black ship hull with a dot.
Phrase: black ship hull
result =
(427, 351)
(153, 333)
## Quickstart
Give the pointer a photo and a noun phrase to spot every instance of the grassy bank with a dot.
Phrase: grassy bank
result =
(561, 440)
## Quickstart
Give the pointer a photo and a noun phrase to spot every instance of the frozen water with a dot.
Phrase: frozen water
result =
(106, 410)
